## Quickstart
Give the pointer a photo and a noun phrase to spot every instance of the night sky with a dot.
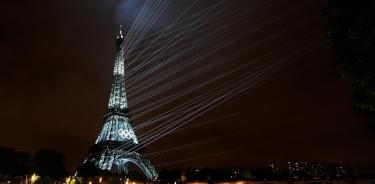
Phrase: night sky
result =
(56, 60)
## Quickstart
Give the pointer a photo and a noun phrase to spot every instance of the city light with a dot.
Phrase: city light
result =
(34, 178)
(70, 180)
(67, 180)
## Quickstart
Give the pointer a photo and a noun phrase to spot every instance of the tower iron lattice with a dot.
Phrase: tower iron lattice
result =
(112, 151)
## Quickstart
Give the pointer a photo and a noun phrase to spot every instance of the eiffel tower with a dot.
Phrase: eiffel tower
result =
(112, 151)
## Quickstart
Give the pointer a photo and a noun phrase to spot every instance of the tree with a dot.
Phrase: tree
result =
(6, 157)
(50, 163)
(22, 163)
(351, 29)
(14, 163)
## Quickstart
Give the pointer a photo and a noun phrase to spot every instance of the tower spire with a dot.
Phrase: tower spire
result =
(119, 39)
(120, 34)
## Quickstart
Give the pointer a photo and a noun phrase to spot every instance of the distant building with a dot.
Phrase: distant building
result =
(342, 170)
(274, 168)
(296, 169)
(308, 170)
(317, 170)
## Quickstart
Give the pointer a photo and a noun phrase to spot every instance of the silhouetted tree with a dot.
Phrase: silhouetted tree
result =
(50, 163)
(351, 29)
(262, 173)
(170, 176)
(23, 163)
(6, 157)
(247, 175)
(14, 163)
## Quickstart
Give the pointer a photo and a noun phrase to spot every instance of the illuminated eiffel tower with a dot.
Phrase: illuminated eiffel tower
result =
(111, 152)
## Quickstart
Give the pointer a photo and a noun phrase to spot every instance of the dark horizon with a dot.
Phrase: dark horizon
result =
(56, 71)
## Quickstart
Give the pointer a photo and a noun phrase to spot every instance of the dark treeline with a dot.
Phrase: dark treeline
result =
(46, 163)
(351, 30)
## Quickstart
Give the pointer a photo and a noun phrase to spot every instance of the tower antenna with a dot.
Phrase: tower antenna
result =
(121, 31)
